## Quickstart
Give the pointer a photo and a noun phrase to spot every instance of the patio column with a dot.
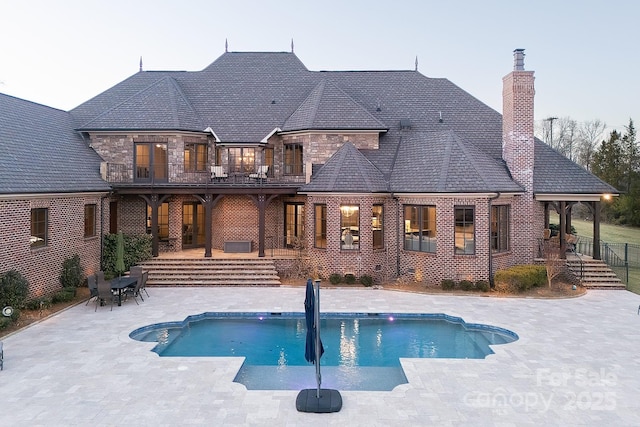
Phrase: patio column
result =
(596, 230)
(208, 210)
(563, 229)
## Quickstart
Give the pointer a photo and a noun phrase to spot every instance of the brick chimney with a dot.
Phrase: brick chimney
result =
(517, 121)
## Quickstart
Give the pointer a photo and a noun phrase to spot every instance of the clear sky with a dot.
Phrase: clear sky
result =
(584, 52)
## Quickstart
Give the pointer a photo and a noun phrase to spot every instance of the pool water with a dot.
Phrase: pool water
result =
(362, 350)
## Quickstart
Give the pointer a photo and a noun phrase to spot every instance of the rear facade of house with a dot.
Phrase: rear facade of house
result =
(379, 173)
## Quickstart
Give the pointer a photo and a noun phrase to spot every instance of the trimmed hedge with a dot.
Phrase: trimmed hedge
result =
(482, 286)
(447, 284)
(520, 278)
(466, 285)
(366, 280)
(335, 279)
(136, 249)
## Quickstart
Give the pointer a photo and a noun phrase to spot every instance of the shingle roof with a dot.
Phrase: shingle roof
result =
(440, 162)
(243, 97)
(553, 173)
(347, 171)
(328, 107)
(162, 105)
(41, 153)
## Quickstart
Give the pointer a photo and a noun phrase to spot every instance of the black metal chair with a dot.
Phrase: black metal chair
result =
(92, 283)
(104, 293)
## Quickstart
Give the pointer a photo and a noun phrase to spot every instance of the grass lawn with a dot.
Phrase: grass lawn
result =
(611, 234)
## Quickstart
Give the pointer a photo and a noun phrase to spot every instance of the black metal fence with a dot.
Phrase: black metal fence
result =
(620, 257)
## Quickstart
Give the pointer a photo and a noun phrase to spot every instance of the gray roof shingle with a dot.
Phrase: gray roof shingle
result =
(347, 171)
(41, 153)
(243, 97)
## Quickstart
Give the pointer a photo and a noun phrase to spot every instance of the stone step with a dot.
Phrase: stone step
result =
(594, 274)
(211, 272)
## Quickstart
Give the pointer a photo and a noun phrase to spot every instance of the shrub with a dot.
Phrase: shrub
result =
(136, 249)
(447, 284)
(520, 278)
(71, 275)
(14, 289)
(349, 279)
(4, 321)
(483, 286)
(366, 280)
(38, 303)
(64, 295)
(466, 285)
(335, 278)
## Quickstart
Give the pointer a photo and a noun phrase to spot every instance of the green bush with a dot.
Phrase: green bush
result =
(14, 289)
(64, 295)
(136, 250)
(447, 284)
(520, 278)
(71, 275)
(38, 303)
(335, 279)
(4, 321)
(466, 285)
(483, 286)
(366, 280)
(349, 279)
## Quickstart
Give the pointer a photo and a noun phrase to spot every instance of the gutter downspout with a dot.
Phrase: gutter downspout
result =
(491, 284)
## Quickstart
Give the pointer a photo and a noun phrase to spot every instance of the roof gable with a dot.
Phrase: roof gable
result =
(162, 105)
(347, 171)
(328, 107)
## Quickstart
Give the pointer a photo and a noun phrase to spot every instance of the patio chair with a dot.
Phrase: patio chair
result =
(217, 173)
(92, 283)
(104, 292)
(143, 286)
(135, 291)
(142, 277)
(261, 173)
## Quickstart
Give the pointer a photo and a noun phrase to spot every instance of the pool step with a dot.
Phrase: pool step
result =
(211, 272)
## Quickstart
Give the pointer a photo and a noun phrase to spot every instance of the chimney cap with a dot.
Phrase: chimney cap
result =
(518, 59)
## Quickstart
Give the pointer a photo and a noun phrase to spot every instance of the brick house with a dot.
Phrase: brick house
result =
(51, 194)
(381, 173)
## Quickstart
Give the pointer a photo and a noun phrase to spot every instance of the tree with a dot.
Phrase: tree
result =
(608, 160)
(554, 263)
(589, 136)
(632, 157)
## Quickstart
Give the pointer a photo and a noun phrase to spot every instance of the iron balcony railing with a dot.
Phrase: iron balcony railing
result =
(171, 174)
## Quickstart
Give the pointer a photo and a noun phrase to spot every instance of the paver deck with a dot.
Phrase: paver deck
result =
(577, 362)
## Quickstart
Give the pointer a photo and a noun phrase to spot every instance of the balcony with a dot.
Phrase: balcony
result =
(121, 175)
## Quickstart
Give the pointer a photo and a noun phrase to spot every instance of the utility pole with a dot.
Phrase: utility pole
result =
(550, 120)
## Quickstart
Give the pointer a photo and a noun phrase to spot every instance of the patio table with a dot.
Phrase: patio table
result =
(121, 283)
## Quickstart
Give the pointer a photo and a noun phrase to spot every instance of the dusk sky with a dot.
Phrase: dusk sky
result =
(584, 53)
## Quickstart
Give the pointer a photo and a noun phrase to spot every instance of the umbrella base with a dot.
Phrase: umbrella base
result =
(329, 401)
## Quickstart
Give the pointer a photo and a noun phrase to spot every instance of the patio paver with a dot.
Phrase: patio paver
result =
(576, 362)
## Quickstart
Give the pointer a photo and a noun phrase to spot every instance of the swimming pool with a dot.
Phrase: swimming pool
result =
(362, 350)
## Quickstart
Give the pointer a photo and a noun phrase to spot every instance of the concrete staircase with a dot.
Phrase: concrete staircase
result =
(211, 272)
(595, 273)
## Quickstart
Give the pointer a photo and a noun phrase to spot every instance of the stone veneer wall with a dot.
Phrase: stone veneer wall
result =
(42, 266)
(318, 147)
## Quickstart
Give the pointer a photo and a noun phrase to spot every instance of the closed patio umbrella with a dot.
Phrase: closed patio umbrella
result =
(317, 400)
(120, 253)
